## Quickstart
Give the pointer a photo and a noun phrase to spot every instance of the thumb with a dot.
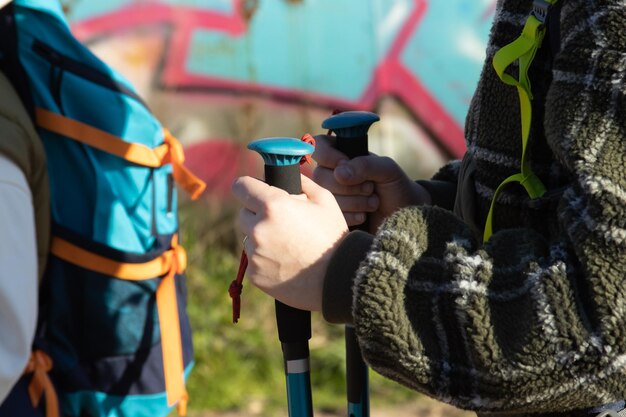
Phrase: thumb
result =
(373, 168)
(312, 190)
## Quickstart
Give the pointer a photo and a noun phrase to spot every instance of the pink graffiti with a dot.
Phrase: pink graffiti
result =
(391, 77)
(489, 12)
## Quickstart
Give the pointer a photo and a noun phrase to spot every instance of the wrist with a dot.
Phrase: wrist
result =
(421, 195)
(340, 274)
(441, 193)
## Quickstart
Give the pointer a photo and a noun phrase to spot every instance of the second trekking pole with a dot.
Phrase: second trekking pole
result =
(282, 158)
(352, 140)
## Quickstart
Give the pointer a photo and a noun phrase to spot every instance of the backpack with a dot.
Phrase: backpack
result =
(113, 296)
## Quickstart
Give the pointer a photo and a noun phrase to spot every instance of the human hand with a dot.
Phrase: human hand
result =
(290, 239)
(372, 185)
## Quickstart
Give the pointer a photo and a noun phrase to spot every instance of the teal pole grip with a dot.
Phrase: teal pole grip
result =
(351, 129)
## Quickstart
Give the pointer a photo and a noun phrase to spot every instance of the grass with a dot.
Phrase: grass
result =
(239, 367)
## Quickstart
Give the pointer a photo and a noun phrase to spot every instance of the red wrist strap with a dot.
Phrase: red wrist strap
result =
(236, 287)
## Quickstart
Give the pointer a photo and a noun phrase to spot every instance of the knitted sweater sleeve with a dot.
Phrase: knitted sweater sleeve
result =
(523, 323)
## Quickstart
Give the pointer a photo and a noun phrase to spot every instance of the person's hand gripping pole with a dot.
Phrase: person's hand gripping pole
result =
(236, 286)
(282, 157)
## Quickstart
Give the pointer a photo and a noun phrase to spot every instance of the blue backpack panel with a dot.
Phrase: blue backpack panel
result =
(113, 299)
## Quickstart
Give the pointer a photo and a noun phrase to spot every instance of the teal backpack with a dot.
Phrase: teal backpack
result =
(113, 297)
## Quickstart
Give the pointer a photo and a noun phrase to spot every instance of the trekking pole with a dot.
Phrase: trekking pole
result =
(351, 131)
(282, 158)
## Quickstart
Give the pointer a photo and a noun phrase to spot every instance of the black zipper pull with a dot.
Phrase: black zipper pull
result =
(170, 192)
(56, 78)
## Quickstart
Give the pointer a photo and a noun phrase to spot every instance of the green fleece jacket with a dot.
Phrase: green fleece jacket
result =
(533, 321)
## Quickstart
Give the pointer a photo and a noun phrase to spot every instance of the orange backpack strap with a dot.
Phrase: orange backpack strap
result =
(183, 176)
(170, 263)
(171, 151)
(39, 365)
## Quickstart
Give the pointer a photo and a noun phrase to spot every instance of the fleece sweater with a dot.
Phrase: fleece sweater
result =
(533, 321)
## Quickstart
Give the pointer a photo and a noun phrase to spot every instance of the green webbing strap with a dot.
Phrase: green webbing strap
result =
(523, 50)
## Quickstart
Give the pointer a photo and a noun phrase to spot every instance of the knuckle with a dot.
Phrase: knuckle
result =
(271, 207)
(326, 195)
(318, 175)
(348, 204)
(241, 217)
(341, 189)
(275, 205)
(386, 160)
(354, 219)
(254, 238)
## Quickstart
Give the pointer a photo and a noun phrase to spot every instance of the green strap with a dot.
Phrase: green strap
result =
(523, 50)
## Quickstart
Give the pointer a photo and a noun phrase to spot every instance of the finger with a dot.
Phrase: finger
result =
(246, 244)
(254, 194)
(312, 190)
(247, 221)
(368, 168)
(325, 153)
(354, 219)
(326, 178)
(358, 204)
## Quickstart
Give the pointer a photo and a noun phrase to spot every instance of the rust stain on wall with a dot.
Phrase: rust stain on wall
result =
(247, 9)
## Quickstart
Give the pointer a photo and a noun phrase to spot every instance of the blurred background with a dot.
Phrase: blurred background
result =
(221, 73)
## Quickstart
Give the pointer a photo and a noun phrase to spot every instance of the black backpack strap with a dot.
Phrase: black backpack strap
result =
(554, 28)
(9, 61)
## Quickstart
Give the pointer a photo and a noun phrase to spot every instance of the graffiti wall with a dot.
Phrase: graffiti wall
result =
(220, 73)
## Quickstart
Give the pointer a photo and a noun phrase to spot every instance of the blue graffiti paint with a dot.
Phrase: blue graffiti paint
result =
(85, 9)
(321, 47)
(448, 50)
(333, 48)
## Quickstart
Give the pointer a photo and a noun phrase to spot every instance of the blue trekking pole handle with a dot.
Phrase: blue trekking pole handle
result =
(282, 169)
(352, 140)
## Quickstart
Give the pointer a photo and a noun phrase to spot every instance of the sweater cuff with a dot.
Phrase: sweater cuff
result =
(342, 269)
(442, 193)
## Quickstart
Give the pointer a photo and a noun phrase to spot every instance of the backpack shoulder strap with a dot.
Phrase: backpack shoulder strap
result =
(522, 51)
(554, 28)
(9, 62)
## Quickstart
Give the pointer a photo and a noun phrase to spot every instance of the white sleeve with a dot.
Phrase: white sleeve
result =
(18, 274)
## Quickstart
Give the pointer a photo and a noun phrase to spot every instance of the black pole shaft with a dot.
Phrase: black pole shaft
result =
(284, 177)
(294, 325)
(354, 146)
(357, 385)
